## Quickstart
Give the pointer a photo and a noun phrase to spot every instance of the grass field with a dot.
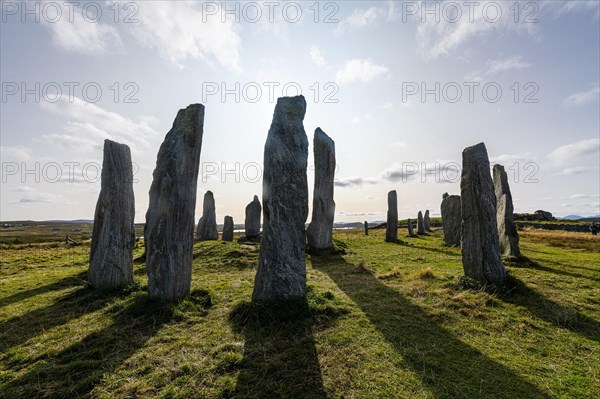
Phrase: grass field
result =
(381, 321)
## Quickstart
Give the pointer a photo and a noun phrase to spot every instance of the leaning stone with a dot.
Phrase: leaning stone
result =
(252, 222)
(113, 235)
(479, 238)
(451, 219)
(281, 271)
(426, 221)
(420, 225)
(169, 230)
(320, 230)
(391, 231)
(507, 230)
(207, 225)
(228, 229)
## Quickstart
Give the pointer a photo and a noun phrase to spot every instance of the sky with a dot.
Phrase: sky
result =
(401, 87)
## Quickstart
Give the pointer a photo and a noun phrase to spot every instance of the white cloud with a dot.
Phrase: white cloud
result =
(582, 98)
(397, 144)
(361, 18)
(577, 170)
(89, 125)
(178, 31)
(17, 153)
(359, 69)
(72, 32)
(387, 105)
(360, 119)
(561, 8)
(32, 195)
(354, 181)
(317, 57)
(497, 66)
(574, 152)
(509, 159)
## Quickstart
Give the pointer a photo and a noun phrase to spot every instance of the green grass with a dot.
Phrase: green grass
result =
(380, 321)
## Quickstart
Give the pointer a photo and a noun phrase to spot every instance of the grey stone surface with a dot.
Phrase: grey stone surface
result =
(366, 228)
(169, 231)
(451, 219)
(113, 235)
(539, 214)
(228, 229)
(252, 221)
(479, 235)
(507, 230)
(207, 225)
(391, 231)
(420, 224)
(281, 271)
(411, 231)
(426, 221)
(320, 230)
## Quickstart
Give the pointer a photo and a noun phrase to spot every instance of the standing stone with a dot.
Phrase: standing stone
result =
(420, 226)
(426, 221)
(411, 231)
(113, 236)
(451, 219)
(169, 231)
(281, 271)
(391, 231)
(507, 231)
(228, 229)
(366, 228)
(320, 230)
(252, 222)
(207, 225)
(479, 238)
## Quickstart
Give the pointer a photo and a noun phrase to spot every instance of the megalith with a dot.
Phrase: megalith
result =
(426, 221)
(207, 225)
(228, 229)
(420, 224)
(252, 221)
(507, 230)
(391, 231)
(411, 231)
(451, 219)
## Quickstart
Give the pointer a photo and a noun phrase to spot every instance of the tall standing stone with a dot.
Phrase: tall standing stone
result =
(391, 231)
(207, 225)
(366, 228)
(479, 238)
(451, 219)
(228, 229)
(426, 221)
(281, 271)
(169, 231)
(411, 231)
(420, 225)
(507, 230)
(252, 221)
(320, 230)
(113, 236)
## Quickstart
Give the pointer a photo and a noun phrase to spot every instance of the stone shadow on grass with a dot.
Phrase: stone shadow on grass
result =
(449, 367)
(527, 263)
(280, 358)
(76, 370)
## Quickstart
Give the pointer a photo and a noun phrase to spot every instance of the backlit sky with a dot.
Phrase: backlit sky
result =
(362, 66)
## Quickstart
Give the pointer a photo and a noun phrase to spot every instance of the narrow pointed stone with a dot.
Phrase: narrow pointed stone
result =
(451, 219)
(113, 235)
(426, 221)
(320, 230)
(366, 228)
(507, 230)
(252, 221)
(228, 229)
(169, 231)
(281, 271)
(391, 231)
(479, 236)
(420, 224)
(207, 225)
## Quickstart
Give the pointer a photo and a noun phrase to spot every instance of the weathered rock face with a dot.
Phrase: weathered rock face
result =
(281, 271)
(366, 228)
(169, 231)
(320, 229)
(479, 236)
(426, 221)
(539, 214)
(207, 225)
(420, 225)
(411, 231)
(507, 231)
(228, 229)
(451, 219)
(252, 222)
(113, 236)
(391, 231)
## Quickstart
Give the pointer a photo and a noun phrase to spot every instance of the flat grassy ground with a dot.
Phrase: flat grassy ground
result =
(381, 321)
